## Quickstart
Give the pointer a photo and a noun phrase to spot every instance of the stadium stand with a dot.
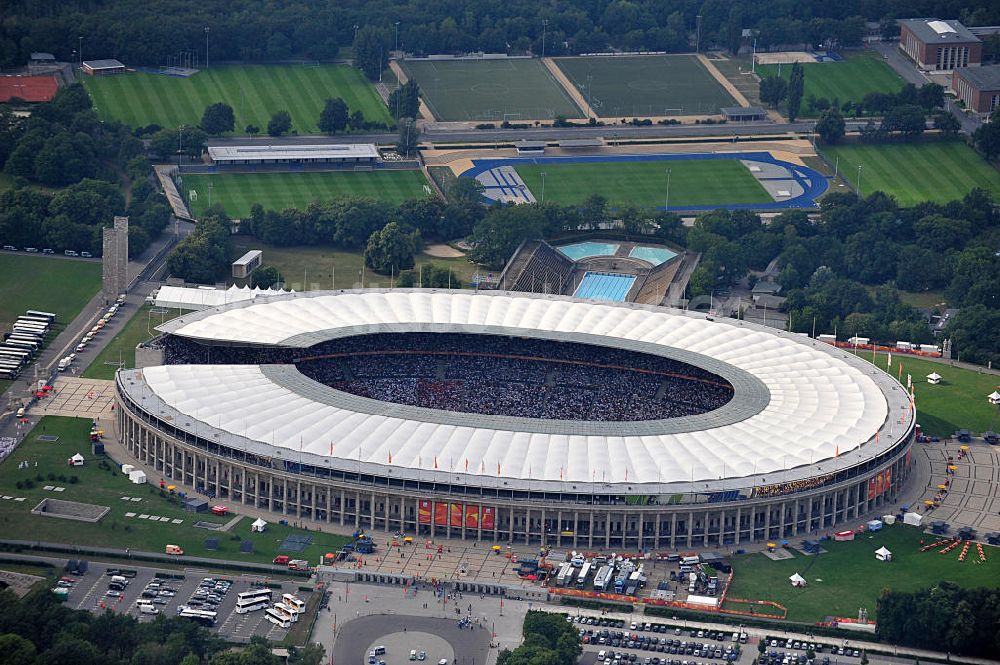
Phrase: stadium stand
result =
(537, 267)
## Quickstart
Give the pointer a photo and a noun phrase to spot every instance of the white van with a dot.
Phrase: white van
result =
(20, 412)
(147, 608)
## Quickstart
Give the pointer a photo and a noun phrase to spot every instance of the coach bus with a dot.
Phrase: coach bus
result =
(10, 365)
(21, 332)
(33, 327)
(12, 352)
(206, 618)
(48, 316)
(9, 374)
(287, 611)
(293, 602)
(22, 343)
(14, 345)
(33, 319)
(251, 601)
(277, 618)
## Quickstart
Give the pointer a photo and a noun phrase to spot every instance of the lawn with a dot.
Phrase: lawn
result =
(106, 486)
(120, 351)
(317, 266)
(46, 284)
(848, 576)
(237, 192)
(495, 90)
(646, 85)
(958, 402)
(847, 81)
(693, 182)
(254, 91)
(916, 172)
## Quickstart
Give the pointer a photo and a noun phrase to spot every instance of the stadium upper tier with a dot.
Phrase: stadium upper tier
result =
(796, 401)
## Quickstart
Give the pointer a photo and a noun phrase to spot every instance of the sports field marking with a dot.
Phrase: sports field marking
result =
(568, 86)
(237, 192)
(254, 91)
(901, 170)
(723, 81)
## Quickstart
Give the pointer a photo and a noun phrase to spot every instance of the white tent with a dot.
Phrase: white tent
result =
(76, 460)
(994, 397)
(934, 378)
(797, 580)
(913, 519)
(127, 469)
(138, 476)
(882, 554)
(874, 525)
(258, 525)
(889, 520)
(203, 297)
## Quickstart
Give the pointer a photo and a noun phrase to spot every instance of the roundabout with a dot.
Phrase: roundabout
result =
(441, 639)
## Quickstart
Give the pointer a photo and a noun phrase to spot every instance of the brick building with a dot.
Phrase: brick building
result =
(939, 45)
(978, 88)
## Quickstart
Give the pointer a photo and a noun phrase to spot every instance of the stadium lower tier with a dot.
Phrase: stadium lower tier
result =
(581, 515)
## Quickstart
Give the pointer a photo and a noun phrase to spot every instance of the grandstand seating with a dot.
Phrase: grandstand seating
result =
(537, 267)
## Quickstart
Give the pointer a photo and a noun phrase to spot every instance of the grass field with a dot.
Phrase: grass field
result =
(646, 85)
(848, 576)
(45, 284)
(121, 349)
(317, 266)
(237, 192)
(254, 91)
(847, 81)
(915, 172)
(692, 182)
(106, 487)
(461, 90)
(958, 402)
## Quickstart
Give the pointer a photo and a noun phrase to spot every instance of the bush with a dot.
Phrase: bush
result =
(73, 480)
(19, 485)
(39, 477)
(62, 478)
(52, 476)
(28, 484)
(486, 125)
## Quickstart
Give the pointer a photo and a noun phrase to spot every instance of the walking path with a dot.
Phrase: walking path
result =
(568, 86)
(723, 81)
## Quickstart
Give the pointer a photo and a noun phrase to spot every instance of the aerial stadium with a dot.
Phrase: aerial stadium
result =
(516, 417)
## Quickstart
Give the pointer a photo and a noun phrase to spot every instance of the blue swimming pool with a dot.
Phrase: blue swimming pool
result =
(604, 286)
(583, 250)
(655, 255)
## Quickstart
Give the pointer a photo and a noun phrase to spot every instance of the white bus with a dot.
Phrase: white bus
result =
(14, 340)
(251, 601)
(204, 617)
(582, 579)
(12, 352)
(288, 611)
(33, 319)
(277, 618)
(9, 374)
(48, 316)
(293, 602)
(28, 327)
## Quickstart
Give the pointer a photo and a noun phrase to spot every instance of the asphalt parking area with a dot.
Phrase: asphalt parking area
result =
(465, 646)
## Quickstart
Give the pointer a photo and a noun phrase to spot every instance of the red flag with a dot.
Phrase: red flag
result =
(560, 473)
(466, 464)
(435, 462)
(876, 438)
(390, 457)
(837, 452)
(498, 468)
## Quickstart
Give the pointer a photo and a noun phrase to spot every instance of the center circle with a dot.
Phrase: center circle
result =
(520, 377)
(490, 88)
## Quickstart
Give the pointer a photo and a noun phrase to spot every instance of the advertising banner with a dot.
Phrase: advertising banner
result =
(424, 512)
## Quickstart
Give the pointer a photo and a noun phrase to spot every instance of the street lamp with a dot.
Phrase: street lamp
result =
(180, 145)
(79, 48)
(697, 43)
(206, 47)
(543, 186)
(545, 23)
(859, 181)
(396, 26)
(667, 206)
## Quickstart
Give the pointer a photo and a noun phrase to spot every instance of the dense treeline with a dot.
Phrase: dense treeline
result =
(143, 33)
(943, 618)
(39, 630)
(548, 640)
(205, 254)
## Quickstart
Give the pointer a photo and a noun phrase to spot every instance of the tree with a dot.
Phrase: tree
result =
(265, 277)
(946, 123)
(773, 90)
(252, 130)
(371, 46)
(409, 137)
(830, 126)
(404, 101)
(734, 29)
(280, 123)
(930, 96)
(391, 249)
(986, 138)
(908, 119)
(333, 117)
(796, 84)
(218, 119)
(496, 237)
(466, 190)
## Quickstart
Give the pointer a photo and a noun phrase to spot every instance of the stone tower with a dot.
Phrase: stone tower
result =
(115, 259)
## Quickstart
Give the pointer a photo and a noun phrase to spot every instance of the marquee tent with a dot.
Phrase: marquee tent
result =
(797, 580)
(883, 554)
(258, 526)
(934, 378)
(137, 476)
(874, 525)
(913, 519)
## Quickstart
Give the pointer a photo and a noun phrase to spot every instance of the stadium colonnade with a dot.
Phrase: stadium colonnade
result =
(336, 493)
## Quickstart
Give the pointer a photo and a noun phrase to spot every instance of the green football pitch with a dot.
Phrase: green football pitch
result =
(237, 192)
(254, 91)
(705, 182)
(646, 85)
(915, 172)
(847, 81)
(495, 90)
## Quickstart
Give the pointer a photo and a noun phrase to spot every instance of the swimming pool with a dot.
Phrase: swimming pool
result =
(604, 286)
(583, 250)
(655, 255)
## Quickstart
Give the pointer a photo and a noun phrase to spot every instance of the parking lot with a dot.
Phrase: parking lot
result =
(90, 592)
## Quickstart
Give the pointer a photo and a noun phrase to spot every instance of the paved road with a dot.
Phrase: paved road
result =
(356, 636)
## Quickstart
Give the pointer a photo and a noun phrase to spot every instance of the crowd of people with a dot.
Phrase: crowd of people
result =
(490, 374)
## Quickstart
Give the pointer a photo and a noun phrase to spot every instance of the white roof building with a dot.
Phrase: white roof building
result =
(798, 403)
(283, 154)
(199, 298)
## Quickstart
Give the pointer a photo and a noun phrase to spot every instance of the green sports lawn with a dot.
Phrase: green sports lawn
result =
(106, 486)
(848, 81)
(915, 172)
(646, 85)
(254, 91)
(514, 89)
(692, 182)
(237, 192)
(47, 284)
(848, 576)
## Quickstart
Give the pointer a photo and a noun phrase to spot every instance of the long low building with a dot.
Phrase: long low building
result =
(347, 153)
(268, 405)
(978, 88)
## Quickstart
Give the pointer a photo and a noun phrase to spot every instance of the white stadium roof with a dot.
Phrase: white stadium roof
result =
(817, 401)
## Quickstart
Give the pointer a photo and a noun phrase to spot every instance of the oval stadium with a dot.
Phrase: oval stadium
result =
(514, 417)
